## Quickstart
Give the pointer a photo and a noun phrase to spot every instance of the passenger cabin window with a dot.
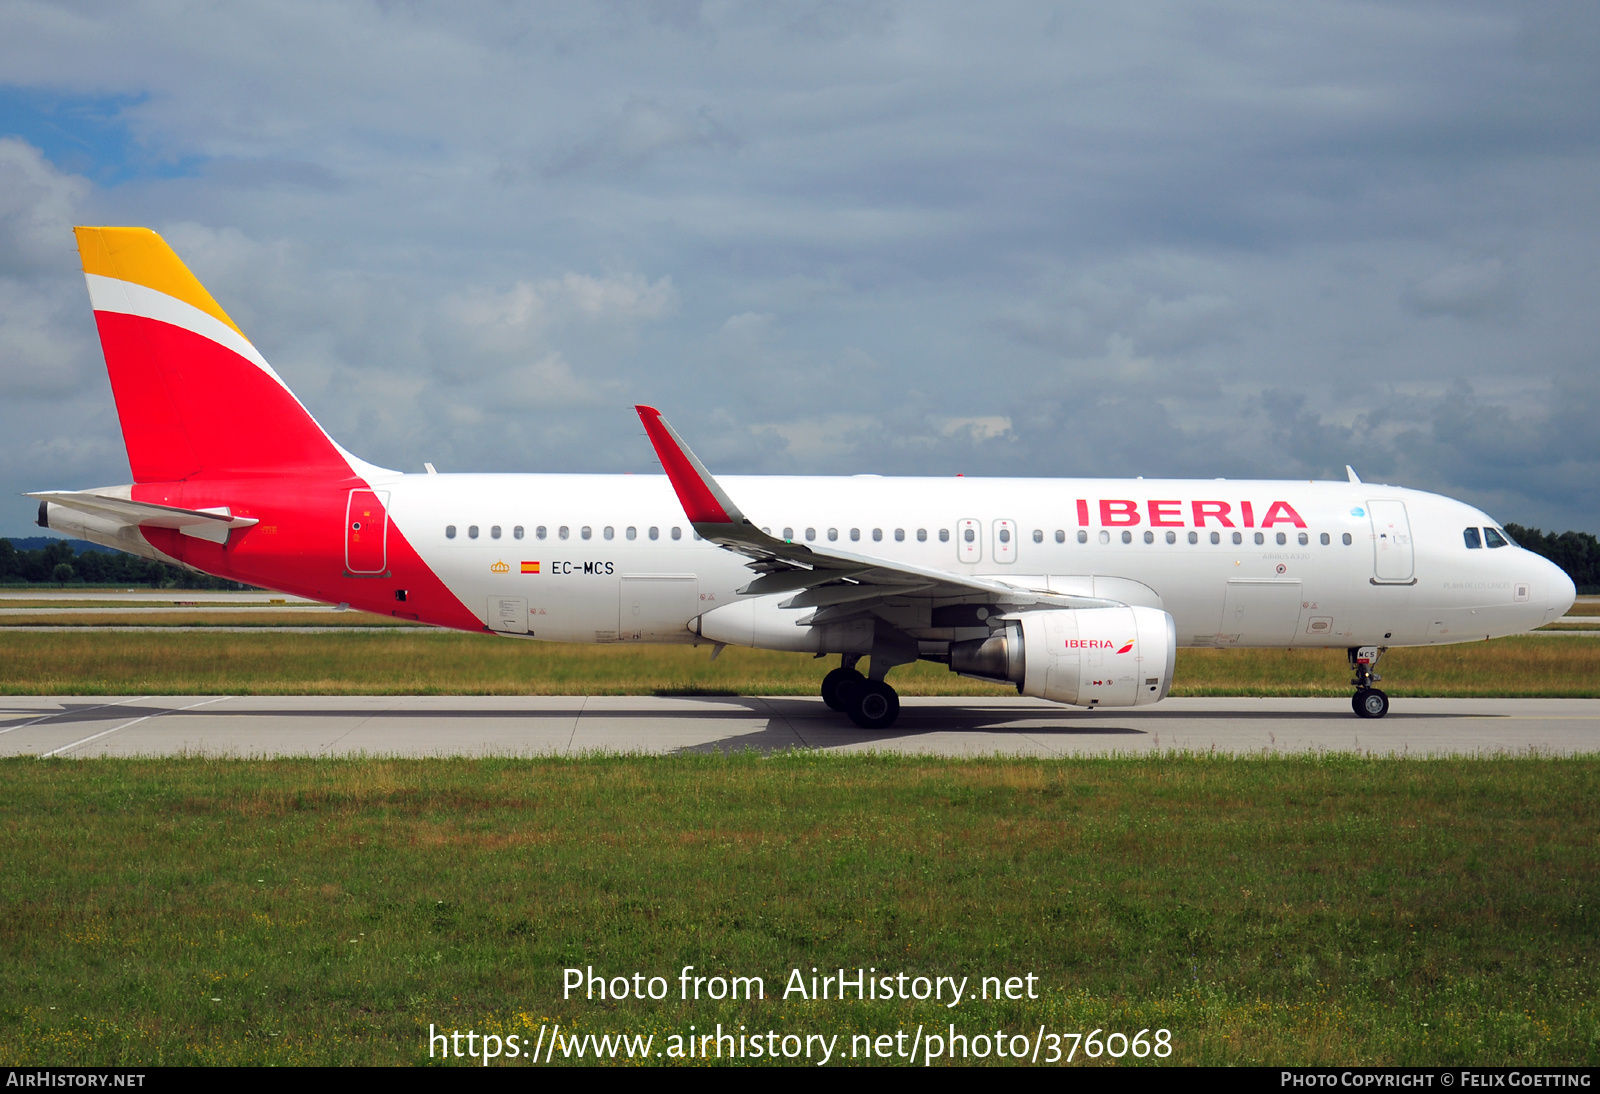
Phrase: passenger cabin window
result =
(1038, 535)
(922, 535)
(1493, 538)
(1326, 539)
(562, 533)
(494, 532)
(1216, 537)
(610, 532)
(586, 532)
(516, 533)
(970, 535)
(811, 534)
(1304, 539)
(877, 535)
(450, 531)
(1261, 537)
(1127, 537)
(1238, 538)
(1347, 540)
(944, 535)
(788, 534)
(538, 533)
(1149, 537)
(472, 531)
(1282, 539)
(899, 535)
(855, 535)
(1172, 537)
(1194, 537)
(833, 535)
(1474, 541)
(1061, 535)
(632, 532)
(677, 533)
(655, 531)
(1083, 537)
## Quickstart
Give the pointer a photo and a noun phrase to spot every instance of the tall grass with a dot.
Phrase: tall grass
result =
(429, 663)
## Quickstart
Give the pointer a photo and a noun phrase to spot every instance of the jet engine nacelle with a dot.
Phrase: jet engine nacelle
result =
(1109, 657)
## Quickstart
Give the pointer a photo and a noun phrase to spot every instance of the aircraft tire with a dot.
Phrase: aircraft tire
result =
(1370, 703)
(836, 685)
(874, 705)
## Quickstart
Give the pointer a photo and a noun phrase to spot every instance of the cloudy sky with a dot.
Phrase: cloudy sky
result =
(1051, 239)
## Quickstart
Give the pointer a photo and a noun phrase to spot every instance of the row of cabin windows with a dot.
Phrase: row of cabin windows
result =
(564, 532)
(877, 535)
(1260, 538)
(1494, 538)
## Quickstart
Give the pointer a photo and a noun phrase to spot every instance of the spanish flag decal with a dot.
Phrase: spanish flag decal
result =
(530, 567)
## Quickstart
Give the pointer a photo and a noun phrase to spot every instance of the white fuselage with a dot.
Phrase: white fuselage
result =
(1236, 563)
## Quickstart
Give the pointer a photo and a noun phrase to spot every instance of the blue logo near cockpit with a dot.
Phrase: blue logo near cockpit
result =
(1358, 512)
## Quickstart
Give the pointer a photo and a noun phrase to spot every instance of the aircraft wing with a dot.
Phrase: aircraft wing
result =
(835, 582)
(209, 524)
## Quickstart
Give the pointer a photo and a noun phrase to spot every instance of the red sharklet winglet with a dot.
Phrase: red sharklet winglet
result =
(703, 500)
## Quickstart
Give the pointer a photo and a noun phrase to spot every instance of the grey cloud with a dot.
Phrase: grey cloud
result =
(643, 130)
(1158, 238)
(1466, 290)
(38, 207)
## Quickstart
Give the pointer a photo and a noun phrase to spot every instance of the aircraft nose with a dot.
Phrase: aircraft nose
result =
(1563, 593)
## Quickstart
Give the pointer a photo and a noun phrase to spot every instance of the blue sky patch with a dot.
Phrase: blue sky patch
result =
(87, 135)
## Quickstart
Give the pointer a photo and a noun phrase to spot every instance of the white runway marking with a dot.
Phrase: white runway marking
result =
(124, 725)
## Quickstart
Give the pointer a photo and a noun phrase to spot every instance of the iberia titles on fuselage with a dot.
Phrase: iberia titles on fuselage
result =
(1074, 590)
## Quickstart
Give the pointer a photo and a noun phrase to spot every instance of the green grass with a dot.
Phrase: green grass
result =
(439, 663)
(1333, 910)
(211, 617)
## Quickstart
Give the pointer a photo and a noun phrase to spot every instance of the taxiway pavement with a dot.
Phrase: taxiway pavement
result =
(428, 726)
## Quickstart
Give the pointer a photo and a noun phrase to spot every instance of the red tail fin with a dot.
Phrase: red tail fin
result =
(195, 398)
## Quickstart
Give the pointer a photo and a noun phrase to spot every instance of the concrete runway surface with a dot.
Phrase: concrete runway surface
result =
(270, 726)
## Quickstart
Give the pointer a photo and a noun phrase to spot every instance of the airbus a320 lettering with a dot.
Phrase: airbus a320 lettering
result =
(1074, 590)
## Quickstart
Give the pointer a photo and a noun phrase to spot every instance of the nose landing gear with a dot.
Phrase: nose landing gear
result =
(1368, 701)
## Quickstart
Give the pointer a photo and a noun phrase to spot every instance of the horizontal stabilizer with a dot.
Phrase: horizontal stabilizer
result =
(210, 524)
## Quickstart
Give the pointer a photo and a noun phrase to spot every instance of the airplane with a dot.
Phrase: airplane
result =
(1078, 591)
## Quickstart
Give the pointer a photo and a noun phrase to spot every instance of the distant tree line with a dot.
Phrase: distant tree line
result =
(1578, 553)
(58, 563)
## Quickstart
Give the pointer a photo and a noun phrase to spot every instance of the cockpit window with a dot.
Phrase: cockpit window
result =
(1493, 538)
(1471, 536)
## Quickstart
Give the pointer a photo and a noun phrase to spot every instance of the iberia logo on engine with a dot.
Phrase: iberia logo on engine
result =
(1097, 644)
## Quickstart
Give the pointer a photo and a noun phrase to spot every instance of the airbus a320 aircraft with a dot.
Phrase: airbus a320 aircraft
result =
(1075, 590)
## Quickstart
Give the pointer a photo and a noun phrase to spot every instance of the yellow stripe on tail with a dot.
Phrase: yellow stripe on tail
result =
(140, 256)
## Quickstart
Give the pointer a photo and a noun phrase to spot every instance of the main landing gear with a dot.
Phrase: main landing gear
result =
(871, 704)
(1368, 701)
